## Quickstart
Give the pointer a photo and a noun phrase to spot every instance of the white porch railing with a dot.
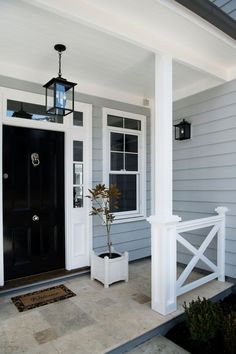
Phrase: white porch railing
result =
(218, 269)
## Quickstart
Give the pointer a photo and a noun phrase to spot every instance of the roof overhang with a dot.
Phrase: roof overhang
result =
(111, 45)
(210, 12)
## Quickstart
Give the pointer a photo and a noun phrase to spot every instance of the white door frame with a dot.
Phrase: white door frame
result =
(69, 131)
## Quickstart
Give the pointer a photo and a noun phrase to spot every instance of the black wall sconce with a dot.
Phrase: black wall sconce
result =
(182, 130)
(59, 92)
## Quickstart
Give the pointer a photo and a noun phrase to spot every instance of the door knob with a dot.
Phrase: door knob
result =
(35, 218)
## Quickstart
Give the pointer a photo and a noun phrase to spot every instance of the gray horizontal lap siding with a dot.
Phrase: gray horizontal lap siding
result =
(204, 175)
(133, 237)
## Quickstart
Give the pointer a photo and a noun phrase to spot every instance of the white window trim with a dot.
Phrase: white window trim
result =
(140, 214)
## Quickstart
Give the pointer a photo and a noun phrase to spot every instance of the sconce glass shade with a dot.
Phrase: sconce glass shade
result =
(59, 96)
(182, 130)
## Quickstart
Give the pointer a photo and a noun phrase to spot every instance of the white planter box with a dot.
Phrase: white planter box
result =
(107, 270)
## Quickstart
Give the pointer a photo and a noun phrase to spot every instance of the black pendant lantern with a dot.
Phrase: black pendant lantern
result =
(59, 91)
(182, 130)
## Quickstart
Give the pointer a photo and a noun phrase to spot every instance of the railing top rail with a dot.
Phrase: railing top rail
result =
(195, 224)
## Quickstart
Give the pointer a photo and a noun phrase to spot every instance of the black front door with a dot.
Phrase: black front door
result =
(33, 201)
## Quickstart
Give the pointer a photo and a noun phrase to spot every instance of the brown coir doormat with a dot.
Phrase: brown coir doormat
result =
(42, 297)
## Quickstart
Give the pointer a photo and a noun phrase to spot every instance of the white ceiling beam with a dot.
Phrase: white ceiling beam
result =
(193, 88)
(22, 73)
(99, 19)
(232, 73)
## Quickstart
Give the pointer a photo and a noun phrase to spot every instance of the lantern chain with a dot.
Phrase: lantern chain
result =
(59, 59)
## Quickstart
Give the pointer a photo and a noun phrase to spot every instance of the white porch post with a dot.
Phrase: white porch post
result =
(163, 223)
(221, 244)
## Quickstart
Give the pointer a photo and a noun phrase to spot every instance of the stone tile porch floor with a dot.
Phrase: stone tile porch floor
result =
(97, 320)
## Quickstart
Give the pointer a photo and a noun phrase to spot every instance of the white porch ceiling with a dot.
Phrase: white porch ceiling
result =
(100, 62)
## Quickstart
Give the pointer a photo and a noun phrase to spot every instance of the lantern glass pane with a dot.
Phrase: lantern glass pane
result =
(182, 131)
(69, 91)
(177, 133)
(60, 96)
(50, 98)
(188, 134)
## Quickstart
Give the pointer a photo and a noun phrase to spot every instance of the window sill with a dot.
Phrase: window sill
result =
(129, 219)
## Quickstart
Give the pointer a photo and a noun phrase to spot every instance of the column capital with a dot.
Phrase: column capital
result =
(164, 220)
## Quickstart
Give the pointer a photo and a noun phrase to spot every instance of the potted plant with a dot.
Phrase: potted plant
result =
(111, 266)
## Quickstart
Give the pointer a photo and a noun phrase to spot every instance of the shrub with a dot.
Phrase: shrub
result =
(229, 332)
(203, 319)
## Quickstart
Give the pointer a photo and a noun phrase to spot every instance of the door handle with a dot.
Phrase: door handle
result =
(35, 218)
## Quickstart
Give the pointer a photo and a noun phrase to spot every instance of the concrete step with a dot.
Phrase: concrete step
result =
(156, 345)
(153, 340)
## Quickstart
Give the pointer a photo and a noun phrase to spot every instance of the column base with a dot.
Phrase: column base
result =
(163, 234)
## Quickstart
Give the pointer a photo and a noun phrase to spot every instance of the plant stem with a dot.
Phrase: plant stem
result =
(108, 227)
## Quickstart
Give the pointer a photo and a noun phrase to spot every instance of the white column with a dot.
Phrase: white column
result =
(163, 223)
(163, 135)
(221, 244)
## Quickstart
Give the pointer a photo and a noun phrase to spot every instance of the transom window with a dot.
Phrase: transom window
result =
(125, 160)
(122, 122)
(37, 112)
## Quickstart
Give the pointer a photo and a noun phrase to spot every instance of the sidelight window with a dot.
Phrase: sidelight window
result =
(78, 174)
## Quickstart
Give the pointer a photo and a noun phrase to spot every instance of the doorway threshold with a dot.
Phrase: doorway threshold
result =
(51, 277)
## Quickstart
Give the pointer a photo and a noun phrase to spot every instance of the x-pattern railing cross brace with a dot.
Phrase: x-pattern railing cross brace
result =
(198, 254)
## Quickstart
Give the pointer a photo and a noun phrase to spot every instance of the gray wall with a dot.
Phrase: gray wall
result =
(130, 236)
(205, 166)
